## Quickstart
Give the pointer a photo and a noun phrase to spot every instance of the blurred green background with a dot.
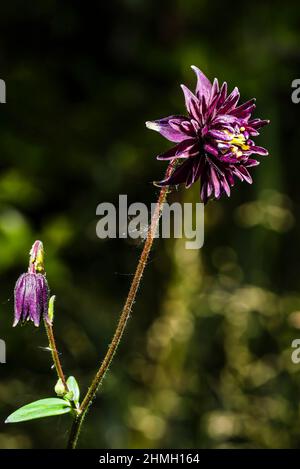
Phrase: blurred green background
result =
(206, 359)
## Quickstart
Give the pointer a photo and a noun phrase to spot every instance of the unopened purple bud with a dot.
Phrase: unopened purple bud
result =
(32, 291)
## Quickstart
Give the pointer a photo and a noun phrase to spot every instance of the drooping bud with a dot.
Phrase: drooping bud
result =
(32, 291)
(60, 388)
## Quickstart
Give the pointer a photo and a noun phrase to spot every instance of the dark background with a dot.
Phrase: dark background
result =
(206, 359)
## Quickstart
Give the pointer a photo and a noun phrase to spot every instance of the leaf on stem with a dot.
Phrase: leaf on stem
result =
(40, 409)
(74, 388)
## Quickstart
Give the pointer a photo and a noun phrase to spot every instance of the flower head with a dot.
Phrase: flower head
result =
(31, 290)
(214, 142)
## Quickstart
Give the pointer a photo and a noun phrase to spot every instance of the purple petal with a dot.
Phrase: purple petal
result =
(179, 175)
(219, 135)
(237, 173)
(171, 132)
(225, 119)
(251, 131)
(183, 150)
(245, 114)
(246, 175)
(19, 298)
(251, 162)
(225, 186)
(230, 101)
(195, 172)
(203, 193)
(192, 103)
(259, 150)
(211, 112)
(204, 86)
(222, 95)
(214, 90)
(209, 189)
(210, 149)
(215, 182)
(243, 107)
(31, 300)
(257, 123)
(195, 125)
(229, 159)
(44, 292)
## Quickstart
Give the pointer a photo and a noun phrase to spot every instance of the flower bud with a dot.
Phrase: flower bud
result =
(60, 388)
(36, 260)
(31, 290)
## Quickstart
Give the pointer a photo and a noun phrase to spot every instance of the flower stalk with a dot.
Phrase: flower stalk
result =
(55, 355)
(98, 378)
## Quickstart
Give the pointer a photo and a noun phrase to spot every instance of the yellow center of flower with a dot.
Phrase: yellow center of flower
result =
(238, 142)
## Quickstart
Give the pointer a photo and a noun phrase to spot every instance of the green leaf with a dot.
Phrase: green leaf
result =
(74, 388)
(51, 308)
(40, 409)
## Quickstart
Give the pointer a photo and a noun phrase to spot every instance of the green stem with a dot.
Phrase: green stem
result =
(55, 355)
(77, 423)
(75, 431)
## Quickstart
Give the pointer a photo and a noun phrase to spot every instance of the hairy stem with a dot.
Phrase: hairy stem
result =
(76, 427)
(75, 430)
(55, 354)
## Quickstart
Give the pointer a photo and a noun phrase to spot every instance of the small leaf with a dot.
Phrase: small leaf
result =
(69, 396)
(51, 308)
(74, 388)
(39, 409)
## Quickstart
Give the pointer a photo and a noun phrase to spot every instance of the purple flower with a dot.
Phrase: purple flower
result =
(31, 298)
(31, 290)
(214, 142)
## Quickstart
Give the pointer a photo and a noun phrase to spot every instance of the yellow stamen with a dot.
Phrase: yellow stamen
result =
(239, 141)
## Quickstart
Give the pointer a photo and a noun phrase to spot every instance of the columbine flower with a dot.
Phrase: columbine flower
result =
(214, 141)
(31, 290)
